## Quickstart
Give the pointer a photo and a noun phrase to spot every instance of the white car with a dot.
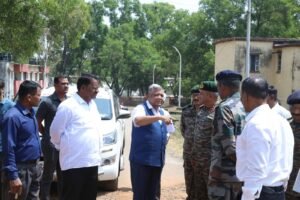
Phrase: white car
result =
(113, 131)
(113, 138)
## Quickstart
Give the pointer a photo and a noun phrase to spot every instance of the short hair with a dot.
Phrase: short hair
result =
(85, 79)
(2, 84)
(234, 84)
(57, 78)
(28, 87)
(154, 87)
(272, 91)
(256, 87)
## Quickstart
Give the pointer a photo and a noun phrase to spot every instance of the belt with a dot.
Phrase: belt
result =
(274, 188)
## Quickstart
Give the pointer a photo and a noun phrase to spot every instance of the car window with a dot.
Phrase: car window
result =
(104, 108)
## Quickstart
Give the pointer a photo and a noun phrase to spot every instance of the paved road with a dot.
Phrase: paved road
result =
(172, 177)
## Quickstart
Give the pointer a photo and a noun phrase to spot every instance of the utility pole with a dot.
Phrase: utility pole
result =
(153, 74)
(179, 87)
(248, 39)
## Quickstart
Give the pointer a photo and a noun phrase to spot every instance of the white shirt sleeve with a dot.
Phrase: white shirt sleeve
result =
(138, 112)
(258, 147)
(59, 124)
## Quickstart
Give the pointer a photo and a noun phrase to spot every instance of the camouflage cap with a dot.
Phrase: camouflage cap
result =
(294, 98)
(228, 75)
(195, 89)
(210, 86)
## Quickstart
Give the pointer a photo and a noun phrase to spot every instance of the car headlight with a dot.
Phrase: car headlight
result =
(110, 138)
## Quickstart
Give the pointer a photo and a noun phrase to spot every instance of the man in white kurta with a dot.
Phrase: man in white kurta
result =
(76, 133)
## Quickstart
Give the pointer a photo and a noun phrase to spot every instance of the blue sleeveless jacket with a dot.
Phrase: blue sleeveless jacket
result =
(148, 143)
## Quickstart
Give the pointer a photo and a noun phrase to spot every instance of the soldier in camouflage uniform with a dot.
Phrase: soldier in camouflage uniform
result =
(201, 148)
(187, 126)
(294, 102)
(228, 123)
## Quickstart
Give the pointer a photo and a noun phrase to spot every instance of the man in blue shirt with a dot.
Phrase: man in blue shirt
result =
(21, 145)
(5, 105)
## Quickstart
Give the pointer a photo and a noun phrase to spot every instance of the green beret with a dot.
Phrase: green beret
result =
(210, 86)
(195, 89)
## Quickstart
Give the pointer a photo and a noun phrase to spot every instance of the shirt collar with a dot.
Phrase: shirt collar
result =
(54, 96)
(24, 110)
(263, 108)
(150, 106)
(79, 99)
(276, 105)
(234, 96)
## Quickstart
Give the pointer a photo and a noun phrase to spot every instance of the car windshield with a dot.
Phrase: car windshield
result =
(104, 108)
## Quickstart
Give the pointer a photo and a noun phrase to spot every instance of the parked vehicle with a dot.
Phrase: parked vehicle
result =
(113, 138)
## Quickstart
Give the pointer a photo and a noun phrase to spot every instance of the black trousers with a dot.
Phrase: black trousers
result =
(272, 193)
(145, 181)
(51, 163)
(80, 183)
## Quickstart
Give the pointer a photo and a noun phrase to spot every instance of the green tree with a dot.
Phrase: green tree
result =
(67, 21)
(21, 26)
(270, 18)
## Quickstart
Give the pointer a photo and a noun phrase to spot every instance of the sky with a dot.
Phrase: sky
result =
(191, 5)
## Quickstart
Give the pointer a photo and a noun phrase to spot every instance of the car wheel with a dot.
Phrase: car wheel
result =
(109, 185)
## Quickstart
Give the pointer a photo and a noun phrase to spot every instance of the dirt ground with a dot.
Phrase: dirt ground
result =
(172, 178)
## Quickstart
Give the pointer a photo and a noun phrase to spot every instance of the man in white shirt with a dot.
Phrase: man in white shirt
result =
(75, 132)
(265, 147)
(274, 105)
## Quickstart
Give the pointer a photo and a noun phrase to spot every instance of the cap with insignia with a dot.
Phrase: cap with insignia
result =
(294, 98)
(195, 89)
(228, 75)
(210, 86)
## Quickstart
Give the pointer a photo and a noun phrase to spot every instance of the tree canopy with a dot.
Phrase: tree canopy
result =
(127, 43)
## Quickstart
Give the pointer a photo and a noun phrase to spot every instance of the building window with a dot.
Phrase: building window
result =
(279, 56)
(254, 63)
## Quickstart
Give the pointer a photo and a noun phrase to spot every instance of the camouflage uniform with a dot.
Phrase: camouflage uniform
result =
(290, 194)
(188, 124)
(228, 123)
(201, 151)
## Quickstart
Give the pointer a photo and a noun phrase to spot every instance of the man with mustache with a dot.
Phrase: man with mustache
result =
(188, 126)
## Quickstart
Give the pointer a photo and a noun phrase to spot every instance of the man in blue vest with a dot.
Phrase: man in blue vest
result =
(148, 144)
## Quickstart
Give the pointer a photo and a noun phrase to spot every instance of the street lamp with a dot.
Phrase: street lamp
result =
(153, 75)
(179, 87)
(248, 39)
